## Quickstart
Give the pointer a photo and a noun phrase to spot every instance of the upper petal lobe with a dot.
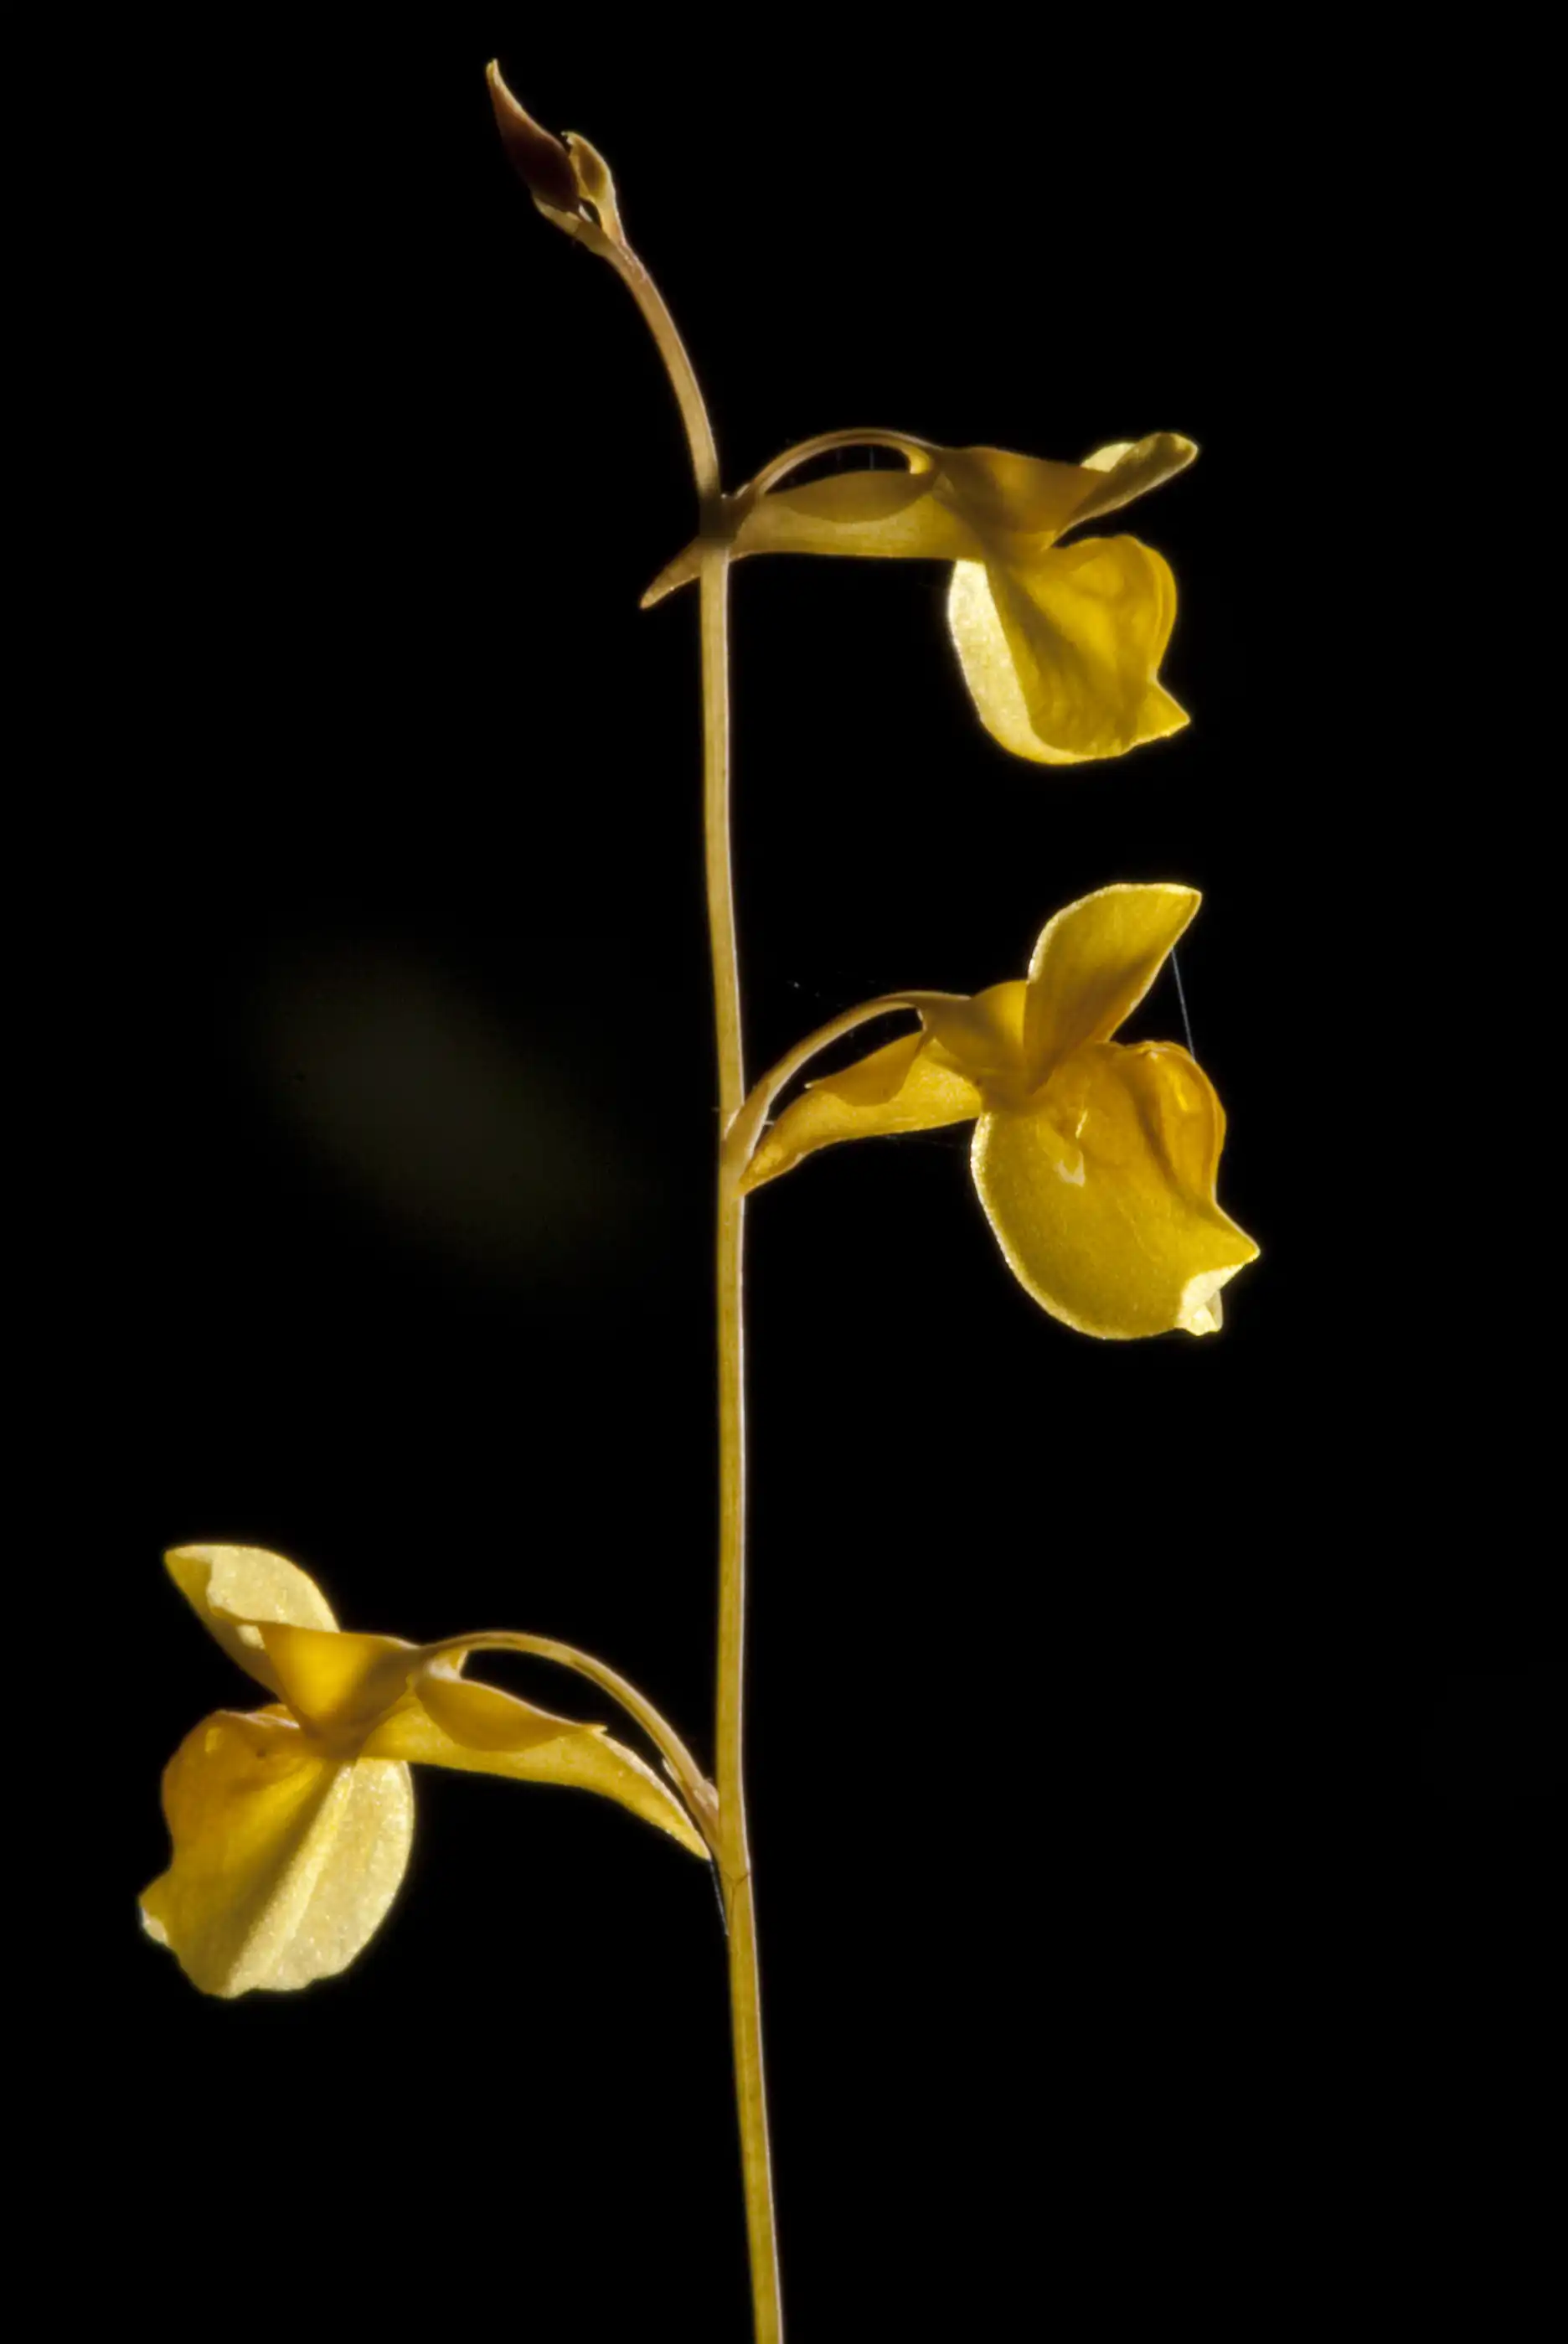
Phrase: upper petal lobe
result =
(1093, 964)
(233, 1589)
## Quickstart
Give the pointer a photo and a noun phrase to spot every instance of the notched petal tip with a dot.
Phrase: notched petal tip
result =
(1201, 1310)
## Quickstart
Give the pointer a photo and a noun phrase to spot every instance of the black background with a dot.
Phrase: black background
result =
(1153, 1775)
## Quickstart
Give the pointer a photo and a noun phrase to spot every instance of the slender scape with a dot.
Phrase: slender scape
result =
(595, 222)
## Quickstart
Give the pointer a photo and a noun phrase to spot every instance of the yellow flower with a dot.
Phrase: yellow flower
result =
(1060, 645)
(1095, 1160)
(291, 1823)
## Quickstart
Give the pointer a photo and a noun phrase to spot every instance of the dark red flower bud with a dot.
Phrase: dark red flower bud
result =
(540, 160)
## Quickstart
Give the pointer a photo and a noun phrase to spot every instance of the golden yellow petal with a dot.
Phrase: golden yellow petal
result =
(583, 1758)
(1014, 504)
(285, 1862)
(232, 1588)
(1092, 964)
(1102, 1195)
(1160, 715)
(337, 1684)
(890, 516)
(886, 516)
(1130, 468)
(985, 1036)
(1086, 626)
(904, 1087)
(483, 1717)
(990, 672)
(967, 504)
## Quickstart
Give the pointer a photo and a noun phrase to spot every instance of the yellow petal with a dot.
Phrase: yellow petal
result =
(1092, 964)
(583, 1758)
(232, 1588)
(285, 1862)
(1083, 628)
(884, 516)
(1019, 504)
(958, 504)
(984, 1034)
(1130, 468)
(892, 516)
(1102, 1195)
(967, 503)
(904, 1086)
(337, 1684)
(989, 669)
(1014, 502)
(482, 1717)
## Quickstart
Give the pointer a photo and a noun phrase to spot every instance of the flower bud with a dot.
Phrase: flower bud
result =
(540, 160)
